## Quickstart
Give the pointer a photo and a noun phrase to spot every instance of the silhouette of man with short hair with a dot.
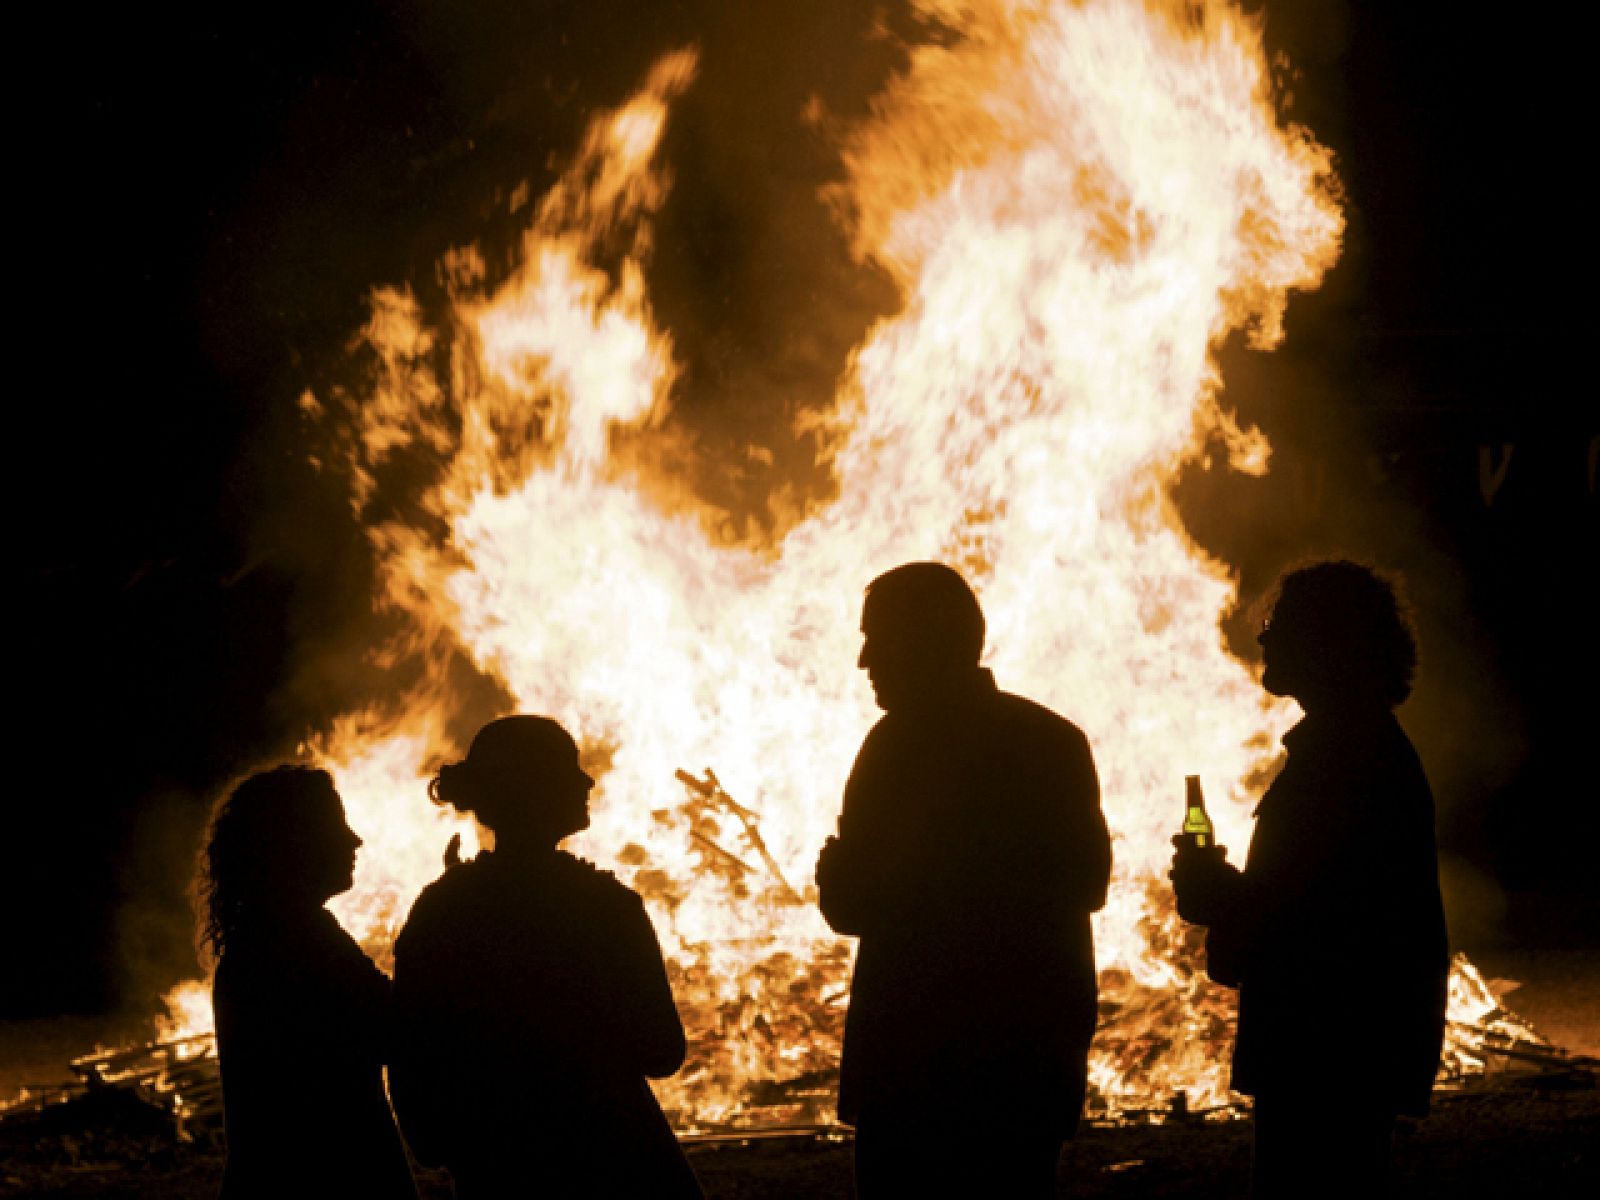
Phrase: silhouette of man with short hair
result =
(1336, 917)
(971, 851)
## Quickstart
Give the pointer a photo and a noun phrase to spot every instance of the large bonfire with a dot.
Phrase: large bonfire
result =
(1078, 203)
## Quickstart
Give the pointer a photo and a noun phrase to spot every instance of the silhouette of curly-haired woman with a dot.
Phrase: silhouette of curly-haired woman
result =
(1337, 910)
(532, 996)
(302, 1014)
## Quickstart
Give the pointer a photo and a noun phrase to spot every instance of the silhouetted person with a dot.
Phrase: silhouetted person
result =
(303, 1016)
(1334, 932)
(533, 997)
(971, 851)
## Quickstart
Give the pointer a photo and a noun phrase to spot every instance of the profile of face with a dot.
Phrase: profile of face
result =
(1271, 640)
(922, 633)
(1295, 661)
(892, 656)
(328, 848)
(1282, 653)
(566, 787)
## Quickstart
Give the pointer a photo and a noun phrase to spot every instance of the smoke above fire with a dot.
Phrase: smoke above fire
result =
(630, 463)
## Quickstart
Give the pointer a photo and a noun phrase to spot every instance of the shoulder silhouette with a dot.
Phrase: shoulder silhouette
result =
(534, 1002)
(971, 850)
(302, 1014)
(1337, 907)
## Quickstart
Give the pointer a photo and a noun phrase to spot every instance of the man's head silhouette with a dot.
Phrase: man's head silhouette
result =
(923, 633)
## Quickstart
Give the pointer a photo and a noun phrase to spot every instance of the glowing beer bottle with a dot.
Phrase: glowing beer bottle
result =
(1197, 832)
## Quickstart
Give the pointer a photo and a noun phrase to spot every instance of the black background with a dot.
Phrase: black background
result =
(203, 202)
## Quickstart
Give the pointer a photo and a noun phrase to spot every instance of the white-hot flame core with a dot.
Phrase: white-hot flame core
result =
(1079, 201)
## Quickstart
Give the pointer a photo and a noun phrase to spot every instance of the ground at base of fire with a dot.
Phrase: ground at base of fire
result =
(1536, 1137)
(1497, 1142)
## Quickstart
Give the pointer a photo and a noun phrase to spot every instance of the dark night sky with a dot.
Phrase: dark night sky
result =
(207, 200)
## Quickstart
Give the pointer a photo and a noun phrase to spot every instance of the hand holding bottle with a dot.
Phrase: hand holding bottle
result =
(1203, 881)
(1198, 833)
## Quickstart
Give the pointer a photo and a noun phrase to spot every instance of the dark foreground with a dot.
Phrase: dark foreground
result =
(1519, 1135)
(1501, 1142)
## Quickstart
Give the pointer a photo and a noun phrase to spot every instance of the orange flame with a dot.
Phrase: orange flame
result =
(1078, 202)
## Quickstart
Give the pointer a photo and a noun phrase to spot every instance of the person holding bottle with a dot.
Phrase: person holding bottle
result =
(1334, 929)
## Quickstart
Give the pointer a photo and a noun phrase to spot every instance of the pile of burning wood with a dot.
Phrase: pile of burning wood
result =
(177, 1075)
(1145, 1033)
(180, 1075)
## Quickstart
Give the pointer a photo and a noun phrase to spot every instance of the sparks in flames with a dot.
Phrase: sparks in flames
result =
(1078, 203)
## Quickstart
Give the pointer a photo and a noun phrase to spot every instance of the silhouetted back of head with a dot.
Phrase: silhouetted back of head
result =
(1338, 630)
(277, 839)
(521, 774)
(929, 605)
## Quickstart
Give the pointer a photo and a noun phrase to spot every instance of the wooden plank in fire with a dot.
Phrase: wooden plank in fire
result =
(709, 790)
(145, 1061)
(727, 857)
(180, 1073)
(1492, 1043)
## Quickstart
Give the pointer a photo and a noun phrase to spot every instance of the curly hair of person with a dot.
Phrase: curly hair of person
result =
(1359, 622)
(254, 829)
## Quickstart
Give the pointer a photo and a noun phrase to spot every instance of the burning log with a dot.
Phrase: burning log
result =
(179, 1074)
(1487, 1043)
(1516, 1058)
(726, 857)
(1484, 1053)
(708, 799)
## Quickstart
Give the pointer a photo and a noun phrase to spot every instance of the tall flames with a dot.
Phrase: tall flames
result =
(1078, 203)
